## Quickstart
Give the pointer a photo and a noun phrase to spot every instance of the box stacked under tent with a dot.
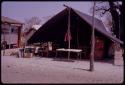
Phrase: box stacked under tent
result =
(29, 52)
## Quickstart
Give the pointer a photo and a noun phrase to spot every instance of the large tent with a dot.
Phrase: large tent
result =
(55, 29)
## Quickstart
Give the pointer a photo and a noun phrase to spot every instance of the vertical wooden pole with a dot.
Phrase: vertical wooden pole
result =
(19, 36)
(69, 36)
(92, 42)
(10, 37)
(69, 33)
(4, 47)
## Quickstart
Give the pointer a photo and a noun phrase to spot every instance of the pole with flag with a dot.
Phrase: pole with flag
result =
(92, 41)
(68, 31)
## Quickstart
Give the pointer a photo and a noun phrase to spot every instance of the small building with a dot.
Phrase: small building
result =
(11, 32)
(30, 32)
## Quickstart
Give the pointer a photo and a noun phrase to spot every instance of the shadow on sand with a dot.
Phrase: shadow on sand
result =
(63, 60)
(82, 69)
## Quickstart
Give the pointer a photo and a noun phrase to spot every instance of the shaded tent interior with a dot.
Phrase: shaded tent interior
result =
(80, 26)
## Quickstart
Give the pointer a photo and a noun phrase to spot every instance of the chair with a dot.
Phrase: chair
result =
(40, 51)
(84, 50)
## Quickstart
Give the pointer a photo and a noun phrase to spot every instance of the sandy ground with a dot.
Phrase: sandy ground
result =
(47, 70)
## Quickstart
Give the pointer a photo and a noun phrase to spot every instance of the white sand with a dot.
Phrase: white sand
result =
(45, 70)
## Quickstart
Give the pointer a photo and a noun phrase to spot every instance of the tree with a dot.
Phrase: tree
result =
(113, 9)
(122, 25)
(30, 22)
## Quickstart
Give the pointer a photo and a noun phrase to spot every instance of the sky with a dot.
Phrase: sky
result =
(20, 10)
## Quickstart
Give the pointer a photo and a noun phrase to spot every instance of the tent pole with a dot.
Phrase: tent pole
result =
(10, 36)
(69, 34)
(77, 39)
(92, 42)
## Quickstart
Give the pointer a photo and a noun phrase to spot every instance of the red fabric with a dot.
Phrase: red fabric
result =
(66, 37)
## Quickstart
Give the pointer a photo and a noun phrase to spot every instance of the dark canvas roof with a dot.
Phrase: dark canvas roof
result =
(98, 25)
(41, 34)
(9, 20)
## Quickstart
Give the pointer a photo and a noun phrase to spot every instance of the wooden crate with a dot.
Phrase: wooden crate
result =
(28, 55)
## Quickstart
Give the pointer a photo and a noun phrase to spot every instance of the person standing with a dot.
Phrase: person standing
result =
(4, 44)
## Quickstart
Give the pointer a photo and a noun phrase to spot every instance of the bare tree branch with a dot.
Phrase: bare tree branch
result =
(106, 10)
(30, 22)
(102, 8)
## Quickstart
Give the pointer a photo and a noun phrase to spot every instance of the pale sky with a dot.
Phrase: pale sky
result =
(20, 10)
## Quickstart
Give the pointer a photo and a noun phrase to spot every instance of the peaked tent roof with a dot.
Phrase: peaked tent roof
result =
(98, 25)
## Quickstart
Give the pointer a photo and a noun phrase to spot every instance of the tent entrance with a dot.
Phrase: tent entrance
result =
(80, 35)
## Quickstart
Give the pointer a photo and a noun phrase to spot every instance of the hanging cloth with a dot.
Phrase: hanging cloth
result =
(66, 36)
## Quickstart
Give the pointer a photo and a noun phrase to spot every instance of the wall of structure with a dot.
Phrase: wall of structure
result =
(10, 34)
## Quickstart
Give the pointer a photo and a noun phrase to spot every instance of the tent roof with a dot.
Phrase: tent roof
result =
(98, 25)
(36, 27)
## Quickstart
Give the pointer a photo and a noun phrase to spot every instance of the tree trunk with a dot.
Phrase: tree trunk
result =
(122, 20)
(123, 26)
(115, 19)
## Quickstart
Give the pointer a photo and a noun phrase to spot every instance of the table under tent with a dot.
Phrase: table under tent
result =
(55, 30)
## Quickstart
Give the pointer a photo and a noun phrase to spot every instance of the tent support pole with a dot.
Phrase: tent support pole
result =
(69, 34)
(92, 42)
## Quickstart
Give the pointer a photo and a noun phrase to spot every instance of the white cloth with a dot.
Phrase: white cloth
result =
(36, 50)
(71, 50)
